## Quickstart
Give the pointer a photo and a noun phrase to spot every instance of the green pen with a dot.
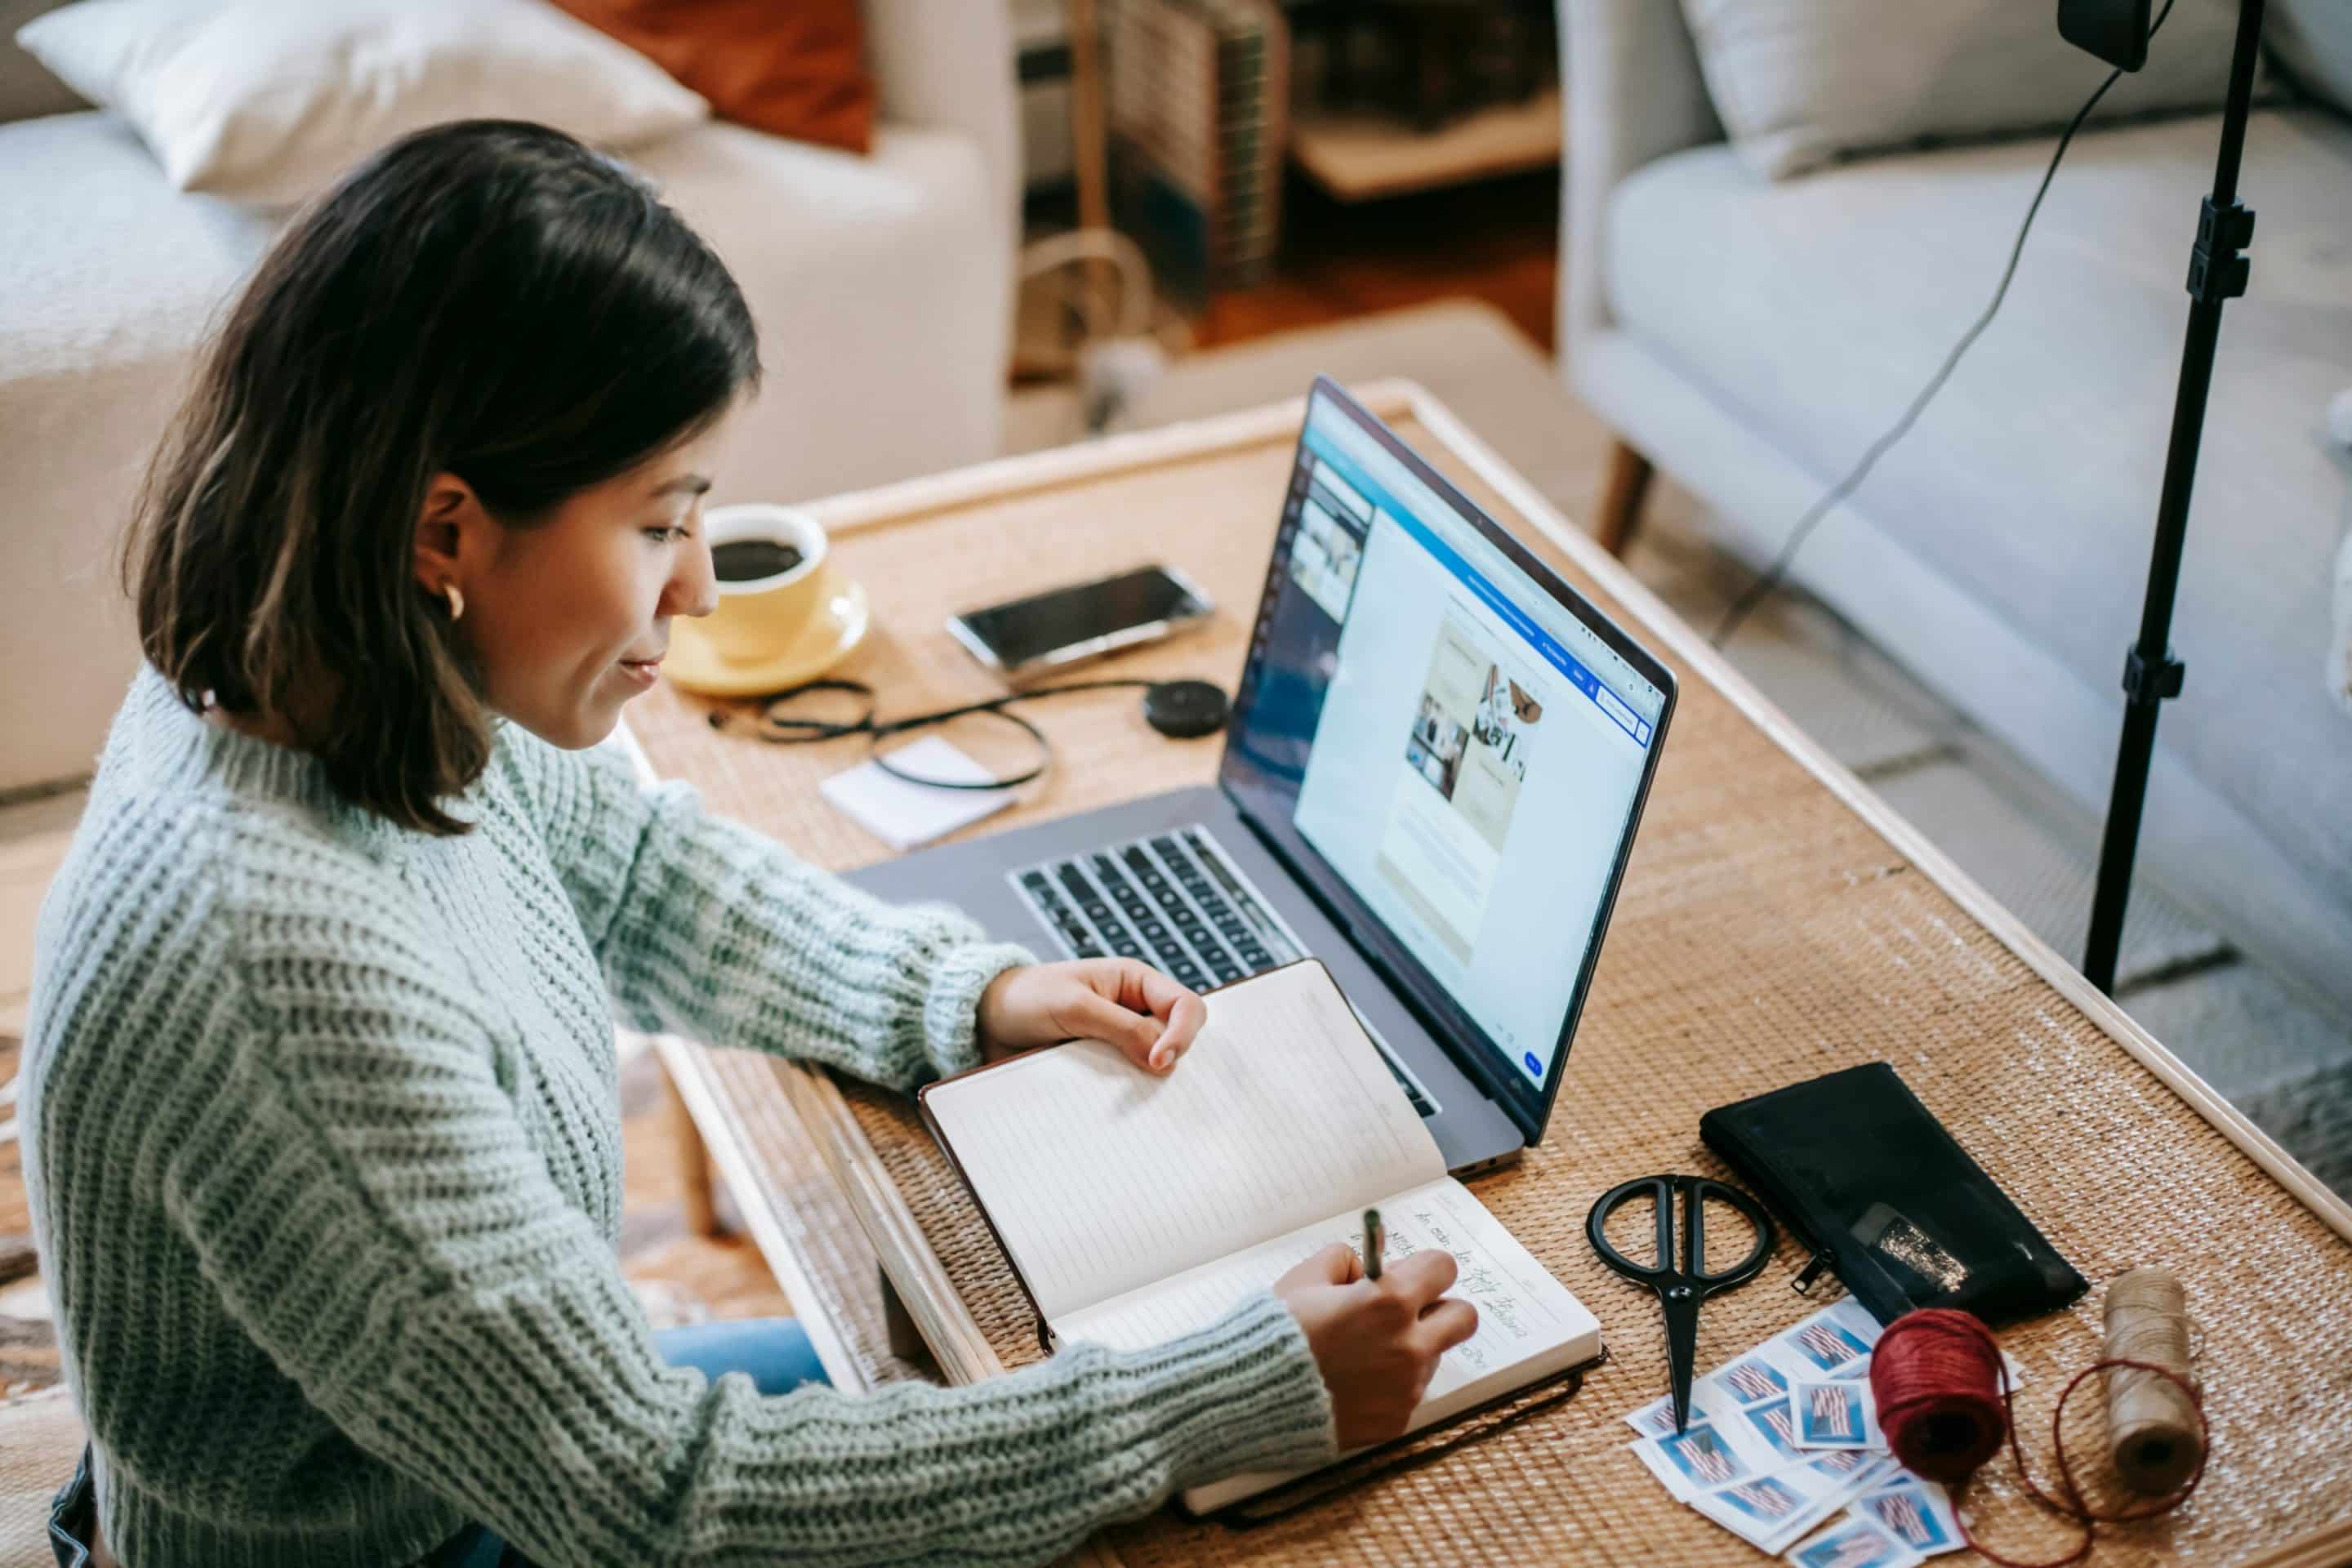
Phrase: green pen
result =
(1375, 1240)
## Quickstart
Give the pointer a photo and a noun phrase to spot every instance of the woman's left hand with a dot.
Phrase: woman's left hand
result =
(1125, 1001)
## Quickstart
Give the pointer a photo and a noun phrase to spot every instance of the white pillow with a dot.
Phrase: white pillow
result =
(1799, 83)
(267, 101)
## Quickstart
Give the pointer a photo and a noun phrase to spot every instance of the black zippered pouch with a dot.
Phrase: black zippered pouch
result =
(1872, 1183)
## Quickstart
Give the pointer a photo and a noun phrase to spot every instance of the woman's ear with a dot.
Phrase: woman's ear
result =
(448, 533)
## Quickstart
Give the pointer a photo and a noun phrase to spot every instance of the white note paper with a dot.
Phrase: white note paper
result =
(904, 815)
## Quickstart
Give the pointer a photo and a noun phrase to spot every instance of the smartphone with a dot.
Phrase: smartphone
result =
(1064, 627)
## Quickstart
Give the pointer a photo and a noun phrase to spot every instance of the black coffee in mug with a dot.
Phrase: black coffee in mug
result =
(752, 560)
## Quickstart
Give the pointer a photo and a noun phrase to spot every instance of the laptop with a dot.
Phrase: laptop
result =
(1432, 776)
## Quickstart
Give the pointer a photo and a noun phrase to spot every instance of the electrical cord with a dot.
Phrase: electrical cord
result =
(1771, 579)
(775, 722)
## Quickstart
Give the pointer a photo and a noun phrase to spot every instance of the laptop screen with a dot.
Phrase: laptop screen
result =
(1460, 740)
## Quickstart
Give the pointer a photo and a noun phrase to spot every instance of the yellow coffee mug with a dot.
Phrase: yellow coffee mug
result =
(759, 619)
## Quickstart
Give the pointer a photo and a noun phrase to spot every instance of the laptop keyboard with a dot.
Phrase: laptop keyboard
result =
(1172, 901)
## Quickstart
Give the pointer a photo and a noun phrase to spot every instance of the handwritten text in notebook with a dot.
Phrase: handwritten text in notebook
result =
(1521, 1309)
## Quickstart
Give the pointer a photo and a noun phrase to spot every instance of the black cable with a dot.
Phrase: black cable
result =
(775, 724)
(1762, 588)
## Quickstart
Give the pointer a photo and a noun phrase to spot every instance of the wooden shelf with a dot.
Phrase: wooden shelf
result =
(1361, 156)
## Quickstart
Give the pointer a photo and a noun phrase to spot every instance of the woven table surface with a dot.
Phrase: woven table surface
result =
(1765, 933)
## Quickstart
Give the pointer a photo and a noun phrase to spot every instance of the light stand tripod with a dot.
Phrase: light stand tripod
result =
(2217, 272)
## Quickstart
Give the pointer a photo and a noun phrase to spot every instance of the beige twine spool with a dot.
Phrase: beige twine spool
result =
(2153, 1434)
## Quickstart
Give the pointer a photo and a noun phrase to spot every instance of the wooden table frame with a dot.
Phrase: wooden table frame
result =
(816, 1198)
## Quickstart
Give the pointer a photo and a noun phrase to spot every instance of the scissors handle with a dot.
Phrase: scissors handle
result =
(1684, 1264)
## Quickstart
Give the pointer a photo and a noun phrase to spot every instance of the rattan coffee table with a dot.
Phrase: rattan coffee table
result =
(1777, 920)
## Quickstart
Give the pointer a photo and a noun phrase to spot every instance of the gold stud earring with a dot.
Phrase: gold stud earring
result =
(456, 601)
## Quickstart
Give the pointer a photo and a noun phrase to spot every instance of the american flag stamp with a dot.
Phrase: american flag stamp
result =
(1767, 1511)
(1918, 1512)
(1855, 1543)
(1777, 1426)
(1766, 1500)
(1825, 1345)
(1849, 1466)
(1656, 1419)
(1689, 1464)
(1835, 1341)
(1836, 1415)
(1703, 1455)
(1751, 1378)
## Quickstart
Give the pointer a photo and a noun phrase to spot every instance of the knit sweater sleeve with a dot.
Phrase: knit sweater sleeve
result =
(361, 1195)
(705, 928)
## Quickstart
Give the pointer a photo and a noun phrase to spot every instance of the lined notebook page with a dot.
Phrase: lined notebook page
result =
(1102, 1178)
(1528, 1324)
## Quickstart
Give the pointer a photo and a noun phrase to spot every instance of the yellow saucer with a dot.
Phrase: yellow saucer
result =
(693, 665)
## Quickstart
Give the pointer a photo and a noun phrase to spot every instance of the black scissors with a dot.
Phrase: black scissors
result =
(1681, 1289)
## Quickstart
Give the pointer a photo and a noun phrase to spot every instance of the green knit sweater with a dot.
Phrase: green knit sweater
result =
(325, 1164)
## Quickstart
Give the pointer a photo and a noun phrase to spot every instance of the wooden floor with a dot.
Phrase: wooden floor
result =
(1498, 241)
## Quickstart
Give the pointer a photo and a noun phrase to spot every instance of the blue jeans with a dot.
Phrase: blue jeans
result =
(774, 1351)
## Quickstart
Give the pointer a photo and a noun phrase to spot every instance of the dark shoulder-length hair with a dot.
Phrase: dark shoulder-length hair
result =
(487, 299)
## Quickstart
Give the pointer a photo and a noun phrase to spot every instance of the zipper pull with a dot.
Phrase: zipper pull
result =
(1803, 1284)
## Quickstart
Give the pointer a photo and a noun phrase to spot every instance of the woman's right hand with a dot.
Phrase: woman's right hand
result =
(1376, 1342)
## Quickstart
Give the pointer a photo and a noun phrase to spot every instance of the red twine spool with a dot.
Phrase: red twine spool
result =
(1944, 1400)
(1937, 1377)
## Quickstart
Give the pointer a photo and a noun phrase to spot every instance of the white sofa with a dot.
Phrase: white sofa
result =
(882, 286)
(1752, 337)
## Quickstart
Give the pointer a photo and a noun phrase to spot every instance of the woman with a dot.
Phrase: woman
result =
(325, 1154)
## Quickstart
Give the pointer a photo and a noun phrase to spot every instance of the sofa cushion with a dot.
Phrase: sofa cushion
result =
(269, 101)
(861, 273)
(1799, 82)
(1813, 310)
(103, 267)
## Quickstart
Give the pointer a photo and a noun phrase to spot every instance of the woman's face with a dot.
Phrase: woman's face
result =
(568, 619)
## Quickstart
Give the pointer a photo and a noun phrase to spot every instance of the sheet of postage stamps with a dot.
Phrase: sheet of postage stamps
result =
(1783, 1438)
(1746, 1459)
(1855, 1543)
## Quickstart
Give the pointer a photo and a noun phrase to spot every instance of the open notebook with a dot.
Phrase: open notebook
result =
(1137, 1208)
